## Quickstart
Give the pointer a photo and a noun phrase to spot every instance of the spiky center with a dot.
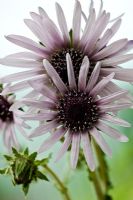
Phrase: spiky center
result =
(5, 114)
(58, 61)
(77, 111)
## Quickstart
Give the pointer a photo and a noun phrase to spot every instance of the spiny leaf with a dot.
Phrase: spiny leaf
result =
(15, 152)
(8, 158)
(42, 176)
(26, 151)
(25, 189)
(33, 156)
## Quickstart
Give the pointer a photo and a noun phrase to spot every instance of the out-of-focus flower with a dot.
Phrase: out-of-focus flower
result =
(76, 112)
(54, 44)
(9, 121)
(24, 168)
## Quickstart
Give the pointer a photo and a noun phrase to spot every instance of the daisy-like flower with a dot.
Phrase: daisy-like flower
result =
(9, 122)
(54, 44)
(76, 112)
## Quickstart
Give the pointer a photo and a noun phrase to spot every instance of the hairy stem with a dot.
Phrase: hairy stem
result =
(58, 183)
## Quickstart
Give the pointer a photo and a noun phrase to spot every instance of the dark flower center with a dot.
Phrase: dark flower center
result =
(77, 111)
(58, 61)
(5, 114)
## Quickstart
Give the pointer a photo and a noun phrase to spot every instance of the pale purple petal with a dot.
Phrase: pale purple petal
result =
(70, 72)
(38, 116)
(40, 34)
(55, 137)
(88, 151)
(111, 49)
(116, 107)
(21, 63)
(120, 73)
(75, 149)
(52, 33)
(100, 141)
(16, 87)
(39, 104)
(76, 22)
(100, 85)
(36, 17)
(94, 77)
(115, 120)
(13, 136)
(55, 77)
(28, 44)
(64, 147)
(43, 129)
(101, 24)
(111, 132)
(109, 33)
(20, 75)
(83, 73)
(112, 97)
(117, 60)
(26, 56)
(62, 22)
(88, 28)
(44, 90)
(42, 12)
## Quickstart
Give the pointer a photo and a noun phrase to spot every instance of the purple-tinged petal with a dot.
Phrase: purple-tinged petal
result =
(28, 44)
(75, 149)
(16, 87)
(88, 151)
(64, 147)
(109, 33)
(42, 12)
(20, 75)
(55, 137)
(54, 76)
(117, 60)
(94, 77)
(43, 129)
(44, 90)
(110, 49)
(36, 17)
(115, 120)
(62, 22)
(76, 22)
(83, 73)
(38, 116)
(96, 90)
(70, 72)
(112, 97)
(116, 107)
(21, 63)
(120, 73)
(39, 104)
(26, 56)
(101, 142)
(111, 132)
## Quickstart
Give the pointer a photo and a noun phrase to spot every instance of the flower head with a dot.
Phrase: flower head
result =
(9, 121)
(55, 44)
(76, 112)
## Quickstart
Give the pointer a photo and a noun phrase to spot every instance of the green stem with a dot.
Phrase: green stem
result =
(97, 185)
(58, 183)
(103, 168)
(100, 177)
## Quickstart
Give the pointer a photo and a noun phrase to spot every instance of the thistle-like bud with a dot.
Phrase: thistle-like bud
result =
(24, 168)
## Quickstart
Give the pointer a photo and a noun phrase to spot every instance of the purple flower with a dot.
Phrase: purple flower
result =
(9, 122)
(54, 44)
(76, 112)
